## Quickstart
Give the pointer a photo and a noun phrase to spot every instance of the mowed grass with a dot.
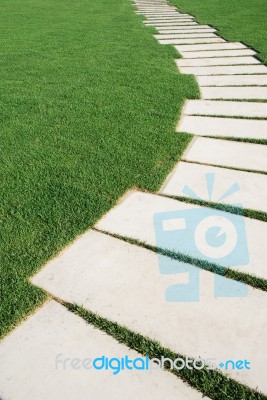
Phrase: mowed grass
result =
(236, 20)
(89, 104)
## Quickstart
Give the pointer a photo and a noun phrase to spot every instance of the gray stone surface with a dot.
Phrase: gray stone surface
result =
(225, 70)
(227, 153)
(188, 41)
(207, 47)
(225, 108)
(171, 24)
(252, 191)
(122, 282)
(203, 62)
(184, 35)
(218, 53)
(31, 370)
(223, 127)
(249, 92)
(188, 31)
(232, 80)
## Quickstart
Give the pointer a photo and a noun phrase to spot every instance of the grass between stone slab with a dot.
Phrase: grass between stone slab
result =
(236, 20)
(213, 384)
(89, 103)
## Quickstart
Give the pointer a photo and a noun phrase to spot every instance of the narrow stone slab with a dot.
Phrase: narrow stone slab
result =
(54, 334)
(184, 35)
(172, 24)
(159, 21)
(226, 108)
(232, 80)
(206, 47)
(134, 217)
(249, 92)
(219, 53)
(168, 18)
(224, 127)
(252, 191)
(187, 31)
(225, 70)
(126, 287)
(188, 28)
(227, 153)
(203, 62)
(187, 41)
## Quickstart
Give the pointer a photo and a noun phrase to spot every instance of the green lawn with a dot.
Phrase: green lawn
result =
(89, 103)
(236, 20)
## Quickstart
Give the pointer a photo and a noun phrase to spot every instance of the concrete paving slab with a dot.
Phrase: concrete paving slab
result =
(252, 192)
(165, 20)
(218, 53)
(188, 28)
(203, 62)
(207, 47)
(223, 127)
(188, 31)
(227, 154)
(249, 92)
(232, 80)
(172, 24)
(187, 41)
(34, 353)
(184, 35)
(225, 70)
(134, 216)
(225, 108)
(168, 18)
(122, 282)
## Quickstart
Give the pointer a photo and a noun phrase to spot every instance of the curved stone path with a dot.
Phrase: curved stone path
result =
(125, 283)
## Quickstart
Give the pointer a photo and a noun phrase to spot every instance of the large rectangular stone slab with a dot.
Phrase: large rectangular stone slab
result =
(252, 192)
(184, 35)
(168, 18)
(187, 41)
(134, 216)
(188, 28)
(122, 283)
(188, 31)
(207, 47)
(225, 108)
(225, 70)
(218, 53)
(34, 353)
(227, 153)
(203, 62)
(171, 24)
(232, 80)
(249, 92)
(223, 127)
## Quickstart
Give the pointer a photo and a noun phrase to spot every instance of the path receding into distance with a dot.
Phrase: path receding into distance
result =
(124, 283)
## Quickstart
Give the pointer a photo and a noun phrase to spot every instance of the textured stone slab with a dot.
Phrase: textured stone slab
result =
(187, 28)
(171, 24)
(232, 80)
(225, 108)
(225, 70)
(224, 127)
(31, 371)
(227, 153)
(184, 35)
(134, 216)
(252, 191)
(168, 18)
(203, 62)
(187, 41)
(191, 31)
(121, 282)
(249, 92)
(218, 53)
(206, 47)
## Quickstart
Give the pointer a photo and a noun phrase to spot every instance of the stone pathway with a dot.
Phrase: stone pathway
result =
(133, 286)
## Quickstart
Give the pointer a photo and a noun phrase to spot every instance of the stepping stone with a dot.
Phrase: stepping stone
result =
(252, 192)
(219, 53)
(225, 108)
(188, 28)
(203, 62)
(223, 127)
(232, 80)
(204, 47)
(184, 35)
(134, 216)
(168, 20)
(187, 31)
(225, 70)
(227, 153)
(127, 287)
(181, 41)
(36, 350)
(250, 92)
(171, 24)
